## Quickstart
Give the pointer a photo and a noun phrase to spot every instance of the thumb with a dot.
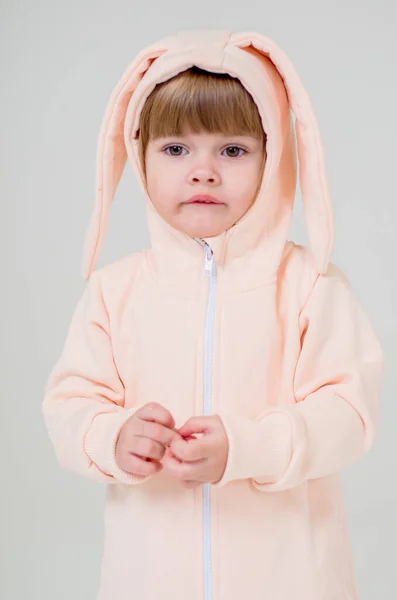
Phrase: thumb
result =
(193, 426)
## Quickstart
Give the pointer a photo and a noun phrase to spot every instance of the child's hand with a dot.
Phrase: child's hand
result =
(195, 461)
(143, 439)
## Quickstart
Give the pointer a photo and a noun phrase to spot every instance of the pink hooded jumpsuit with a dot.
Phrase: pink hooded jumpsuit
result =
(247, 325)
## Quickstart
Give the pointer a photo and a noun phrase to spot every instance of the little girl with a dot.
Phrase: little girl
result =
(221, 379)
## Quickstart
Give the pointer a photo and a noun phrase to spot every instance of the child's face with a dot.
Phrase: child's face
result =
(227, 167)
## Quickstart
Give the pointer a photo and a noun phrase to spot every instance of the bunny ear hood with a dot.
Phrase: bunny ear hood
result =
(270, 78)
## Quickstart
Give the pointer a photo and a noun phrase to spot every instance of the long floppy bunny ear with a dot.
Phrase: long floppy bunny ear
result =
(312, 170)
(112, 154)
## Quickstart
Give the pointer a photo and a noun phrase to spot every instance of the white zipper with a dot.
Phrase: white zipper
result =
(210, 271)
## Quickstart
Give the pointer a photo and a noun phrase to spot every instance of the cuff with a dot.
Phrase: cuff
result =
(100, 444)
(258, 449)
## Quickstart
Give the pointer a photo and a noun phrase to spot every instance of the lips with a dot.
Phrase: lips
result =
(203, 199)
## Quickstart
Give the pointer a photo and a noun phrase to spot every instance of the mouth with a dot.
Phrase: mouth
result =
(203, 199)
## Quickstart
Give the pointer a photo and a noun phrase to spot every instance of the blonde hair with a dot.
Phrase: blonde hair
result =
(194, 101)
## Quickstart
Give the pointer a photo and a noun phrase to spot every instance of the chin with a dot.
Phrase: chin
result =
(203, 232)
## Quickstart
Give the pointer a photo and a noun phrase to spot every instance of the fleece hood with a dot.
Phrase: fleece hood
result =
(269, 76)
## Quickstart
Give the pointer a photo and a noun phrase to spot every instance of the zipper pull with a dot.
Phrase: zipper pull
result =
(209, 260)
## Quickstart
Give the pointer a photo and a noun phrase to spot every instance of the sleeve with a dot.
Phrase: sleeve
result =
(83, 407)
(337, 387)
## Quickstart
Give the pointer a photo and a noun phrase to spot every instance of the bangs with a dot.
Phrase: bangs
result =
(198, 101)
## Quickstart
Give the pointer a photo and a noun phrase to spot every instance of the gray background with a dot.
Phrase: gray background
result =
(60, 62)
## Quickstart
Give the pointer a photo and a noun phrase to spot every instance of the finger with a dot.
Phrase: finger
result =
(191, 450)
(182, 470)
(188, 437)
(138, 466)
(196, 425)
(148, 448)
(156, 432)
(158, 413)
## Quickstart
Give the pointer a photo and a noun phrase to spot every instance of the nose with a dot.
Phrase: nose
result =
(197, 178)
(204, 172)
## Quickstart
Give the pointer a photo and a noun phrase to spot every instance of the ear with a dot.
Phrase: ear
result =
(112, 153)
(312, 170)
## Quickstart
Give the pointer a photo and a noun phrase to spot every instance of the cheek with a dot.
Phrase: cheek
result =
(254, 180)
(157, 185)
(163, 185)
(247, 182)
(245, 187)
(162, 197)
(162, 202)
(160, 177)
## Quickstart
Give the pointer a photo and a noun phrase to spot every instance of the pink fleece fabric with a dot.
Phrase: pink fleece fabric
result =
(297, 366)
